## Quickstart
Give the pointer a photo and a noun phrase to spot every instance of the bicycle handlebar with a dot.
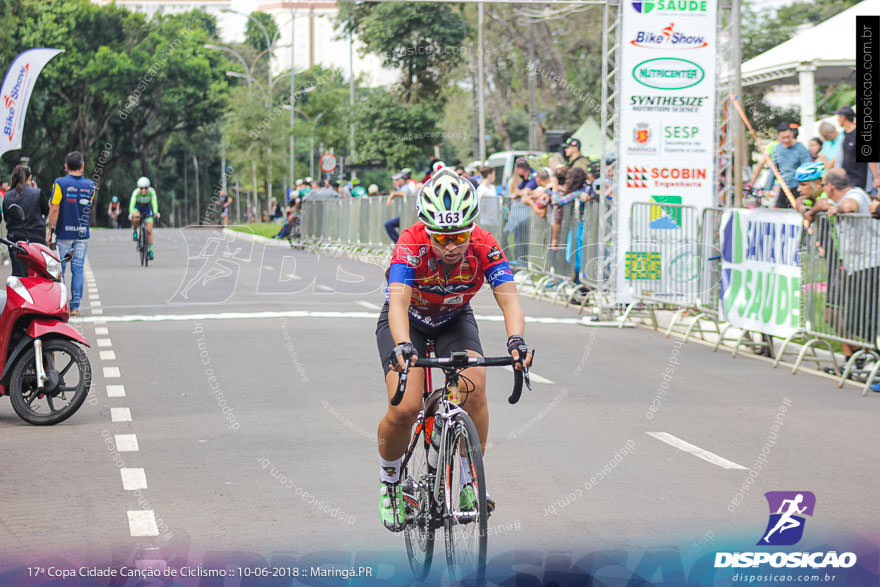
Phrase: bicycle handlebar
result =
(462, 360)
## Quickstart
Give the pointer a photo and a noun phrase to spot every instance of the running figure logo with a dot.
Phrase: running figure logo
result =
(787, 511)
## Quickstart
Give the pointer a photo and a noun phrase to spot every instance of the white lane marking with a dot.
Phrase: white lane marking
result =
(99, 330)
(120, 415)
(111, 372)
(269, 267)
(115, 390)
(133, 478)
(325, 287)
(533, 377)
(107, 355)
(294, 314)
(94, 304)
(97, 311)
(94, 296)
(142, 523)
(368, 305)
(695, 450)
(127, 443)
(105, 342)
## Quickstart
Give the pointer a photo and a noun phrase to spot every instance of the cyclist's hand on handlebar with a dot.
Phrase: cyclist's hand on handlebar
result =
(520, 351)
(402, 354)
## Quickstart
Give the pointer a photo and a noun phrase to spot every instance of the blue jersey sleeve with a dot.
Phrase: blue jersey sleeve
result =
(402, 273)
(498, 274)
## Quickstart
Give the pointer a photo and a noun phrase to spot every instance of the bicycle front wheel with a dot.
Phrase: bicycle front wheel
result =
(419, 531)
(466, 515)
(143, 246)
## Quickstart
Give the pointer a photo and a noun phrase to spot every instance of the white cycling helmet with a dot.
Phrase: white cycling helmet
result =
(143, 182)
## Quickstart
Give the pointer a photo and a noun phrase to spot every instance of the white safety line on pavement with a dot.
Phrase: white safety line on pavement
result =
(97, 311)
(111, 372)
(101, 330)
(533, 377)
(142, 523)
(115, 391)
(120, 415)
(104, 342)
(133, 478)
(368, 305)
(323, 287)
(298, 314)
(126, 443)
(695, 450)
(107, 355)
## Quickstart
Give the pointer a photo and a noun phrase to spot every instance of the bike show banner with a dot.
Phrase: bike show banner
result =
(16, 93)
(760, 271)
(667, 115)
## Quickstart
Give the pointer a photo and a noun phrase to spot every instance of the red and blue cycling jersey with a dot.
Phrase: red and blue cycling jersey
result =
(438, 296)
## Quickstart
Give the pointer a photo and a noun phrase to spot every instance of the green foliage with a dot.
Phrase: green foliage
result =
(256, 36)
(424, 42)
(398, 133)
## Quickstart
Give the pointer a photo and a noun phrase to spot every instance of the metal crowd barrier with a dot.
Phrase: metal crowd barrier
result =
(840, 286)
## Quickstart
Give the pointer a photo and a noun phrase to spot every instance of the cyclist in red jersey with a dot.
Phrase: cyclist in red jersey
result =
(438, 265)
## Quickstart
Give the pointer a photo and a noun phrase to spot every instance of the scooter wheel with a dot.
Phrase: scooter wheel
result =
(70, 375)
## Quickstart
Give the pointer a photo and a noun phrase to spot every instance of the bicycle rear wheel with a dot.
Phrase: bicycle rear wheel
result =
(465, 528)
(419, 533)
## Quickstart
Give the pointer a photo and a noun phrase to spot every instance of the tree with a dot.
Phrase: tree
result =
(426, 44)
(397, 133)
(256, 36)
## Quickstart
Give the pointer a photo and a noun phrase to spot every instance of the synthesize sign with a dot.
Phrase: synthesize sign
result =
(668, 73)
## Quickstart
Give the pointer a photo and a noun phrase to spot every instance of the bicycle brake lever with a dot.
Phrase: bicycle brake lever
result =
(526, 379)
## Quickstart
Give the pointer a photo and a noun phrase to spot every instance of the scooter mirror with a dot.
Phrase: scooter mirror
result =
(16, 213)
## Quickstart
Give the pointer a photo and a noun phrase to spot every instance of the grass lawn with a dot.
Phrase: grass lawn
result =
(269, 229)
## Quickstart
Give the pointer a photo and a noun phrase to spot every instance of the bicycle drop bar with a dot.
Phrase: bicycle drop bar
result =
(461, 360)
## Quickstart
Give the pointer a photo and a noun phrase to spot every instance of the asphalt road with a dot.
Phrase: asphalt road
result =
(252, 386)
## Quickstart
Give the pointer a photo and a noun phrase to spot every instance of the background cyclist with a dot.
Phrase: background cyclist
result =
(113, 212)
(144, 206)
(438, 265)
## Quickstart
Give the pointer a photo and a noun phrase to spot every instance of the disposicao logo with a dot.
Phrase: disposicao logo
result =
(670, 6)
(668, 73)
(787, 511)
(786, 528)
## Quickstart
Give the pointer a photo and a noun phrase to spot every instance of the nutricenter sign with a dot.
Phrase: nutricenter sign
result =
(668, 73)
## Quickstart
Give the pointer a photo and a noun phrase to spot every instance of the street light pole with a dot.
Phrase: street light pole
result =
(480, 83)
(292, 95)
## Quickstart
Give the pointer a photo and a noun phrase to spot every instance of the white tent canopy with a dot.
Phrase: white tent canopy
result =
(825, 53)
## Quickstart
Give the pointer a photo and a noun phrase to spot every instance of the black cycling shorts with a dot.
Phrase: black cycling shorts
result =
(459, 334)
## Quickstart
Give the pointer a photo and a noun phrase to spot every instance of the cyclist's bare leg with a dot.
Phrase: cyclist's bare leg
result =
(476, 405)
(395, 427)
(135, 221)
(150, 231)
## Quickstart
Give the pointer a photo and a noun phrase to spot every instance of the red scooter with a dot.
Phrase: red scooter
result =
(45, 371)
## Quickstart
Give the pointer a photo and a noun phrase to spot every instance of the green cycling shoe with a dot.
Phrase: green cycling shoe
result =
(391, 510)
(467, 500)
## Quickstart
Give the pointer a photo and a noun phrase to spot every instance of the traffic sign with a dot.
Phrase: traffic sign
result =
(328, 162)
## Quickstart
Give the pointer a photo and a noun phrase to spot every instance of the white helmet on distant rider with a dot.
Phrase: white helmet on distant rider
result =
(143, 182)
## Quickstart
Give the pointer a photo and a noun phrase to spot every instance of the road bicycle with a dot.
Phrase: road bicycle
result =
(143, 245)
(443, 452)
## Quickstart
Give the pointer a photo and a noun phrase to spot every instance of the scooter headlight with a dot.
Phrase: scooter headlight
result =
(53, 266)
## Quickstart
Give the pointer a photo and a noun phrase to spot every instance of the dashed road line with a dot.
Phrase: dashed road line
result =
(368, 305)
(126, 443)
(133, 478)
(115, 391)
(101, 330)
(105, 342)
(107, 355)
(112, 373)
(120, 415)
(698, 452)
(142, 523)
